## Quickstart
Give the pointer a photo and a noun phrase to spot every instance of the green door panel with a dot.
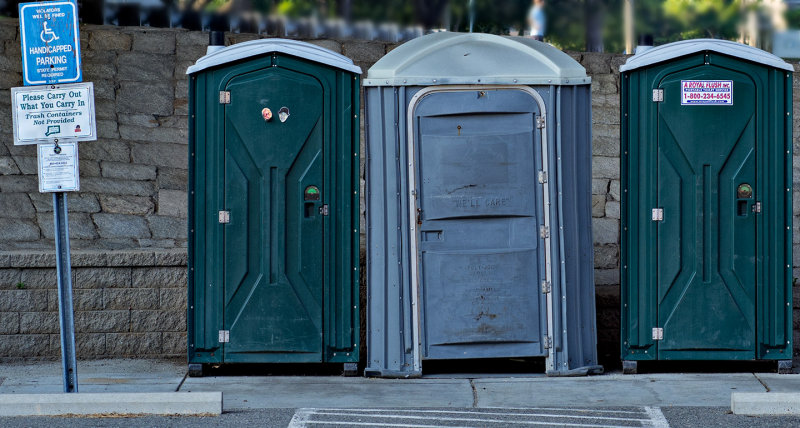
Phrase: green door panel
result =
(706, 274)
(273, 245)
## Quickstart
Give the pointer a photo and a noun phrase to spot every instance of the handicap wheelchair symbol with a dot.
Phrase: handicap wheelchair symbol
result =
(47, 35)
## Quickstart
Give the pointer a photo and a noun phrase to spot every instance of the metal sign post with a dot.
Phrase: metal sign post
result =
(50, 113)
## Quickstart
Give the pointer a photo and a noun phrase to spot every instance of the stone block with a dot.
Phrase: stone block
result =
(38, 322)
(605, 230)
(13, 229)
(87, 345)
(181, 106)
(105, 321)
(173, 298)
(331, 45)
(145, 67)
(81, 226)
(173, 257)
(107, 130)
(614, 190)
(23, 301)
(153, 97)
(9, 323)
(89, 168)
(180, 69)
(109, 40)
(131, 258)
(605, 167)
(191, 45)
(133, 344)
(605, 84)
(105, 89)
(105, 150)
(9, 278)
(27, 164)
(103, 277)
(88, 299)
(160, 154)
(612, 209)
(162, 227)
(126, 204)
(598, 205)
(24, 345)
(154, 135)
(363, 51)
(114, 186)
(173, 178)
(159, 243)
(606, 276)
(32, 259)
(607, 296)
(76, 203)
(172, 203)
(159, 42)
(174, 343)
(599, 186)
(10, 79)
(87, 258)
(153, 321)
(130, 298)
(19, 183)
(8, 166)
(34, 278)
(16, 205)
(606, 256)
(128, 171)
(159, 277)
(105, 109)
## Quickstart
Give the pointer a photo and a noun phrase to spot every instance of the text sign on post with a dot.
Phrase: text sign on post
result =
(58, 167)
(51, 46)
(53, 112)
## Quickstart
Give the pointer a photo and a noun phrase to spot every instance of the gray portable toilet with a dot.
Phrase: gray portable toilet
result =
(478, 175)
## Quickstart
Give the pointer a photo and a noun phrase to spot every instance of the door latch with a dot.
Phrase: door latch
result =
(658, 214)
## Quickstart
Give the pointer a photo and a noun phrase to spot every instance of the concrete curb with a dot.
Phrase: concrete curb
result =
(765, 403)
(157, 403)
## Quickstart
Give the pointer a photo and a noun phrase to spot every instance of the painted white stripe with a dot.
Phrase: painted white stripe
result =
(570, 410)
(300, 418)
(541, 415)
(482, 420)
(657, 417)
(381, 424)
(481, 409)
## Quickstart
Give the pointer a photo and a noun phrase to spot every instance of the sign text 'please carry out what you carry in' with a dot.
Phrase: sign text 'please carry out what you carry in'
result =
(706, 92)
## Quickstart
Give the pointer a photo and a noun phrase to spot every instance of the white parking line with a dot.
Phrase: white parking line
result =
(429, 418)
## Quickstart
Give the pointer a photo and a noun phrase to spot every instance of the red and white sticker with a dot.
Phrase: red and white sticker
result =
(706, 92)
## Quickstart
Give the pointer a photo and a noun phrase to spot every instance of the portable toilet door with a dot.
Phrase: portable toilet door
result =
(274, 205)
(478, 189)
(707, 204)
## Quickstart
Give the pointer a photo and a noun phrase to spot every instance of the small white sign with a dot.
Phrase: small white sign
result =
(706, 92)
(58, 167)
(53, 113)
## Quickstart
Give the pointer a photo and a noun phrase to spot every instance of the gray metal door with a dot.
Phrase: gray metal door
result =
(479, 212)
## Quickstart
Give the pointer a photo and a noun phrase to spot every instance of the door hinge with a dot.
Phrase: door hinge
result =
(224, 336)
(546, 287)
(548, 342)
(658, 214)
(323, 210)
(540, 122)
(224, 97)
(757, 207)
(658, 333)
(544, 232)
(658, 95)
(542, 177)
(224, 217)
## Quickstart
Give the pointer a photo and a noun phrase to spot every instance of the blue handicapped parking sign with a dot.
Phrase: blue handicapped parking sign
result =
(50, 42)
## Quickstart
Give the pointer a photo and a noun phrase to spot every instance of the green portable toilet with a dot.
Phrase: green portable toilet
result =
(706, 265)
(273, 206)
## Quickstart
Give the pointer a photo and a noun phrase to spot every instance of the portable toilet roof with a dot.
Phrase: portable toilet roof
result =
(265, 46)
(472, 58)
(687, 47)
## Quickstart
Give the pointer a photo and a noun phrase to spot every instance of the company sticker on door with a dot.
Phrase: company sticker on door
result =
(706, 92)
